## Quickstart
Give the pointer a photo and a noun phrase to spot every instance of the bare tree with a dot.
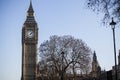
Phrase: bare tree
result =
(61, 56)
(110, 8)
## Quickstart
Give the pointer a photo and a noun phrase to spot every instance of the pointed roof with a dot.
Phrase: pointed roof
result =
(30, 10)
(94, 57)
(30, 16)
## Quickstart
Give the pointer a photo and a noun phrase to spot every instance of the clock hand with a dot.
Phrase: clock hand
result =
(31, 33)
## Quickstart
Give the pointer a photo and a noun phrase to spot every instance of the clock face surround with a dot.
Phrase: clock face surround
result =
(30, 34)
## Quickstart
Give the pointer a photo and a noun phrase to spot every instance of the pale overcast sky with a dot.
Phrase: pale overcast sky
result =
(54, 17)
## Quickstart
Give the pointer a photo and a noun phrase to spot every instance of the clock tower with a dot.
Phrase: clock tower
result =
(29, 46)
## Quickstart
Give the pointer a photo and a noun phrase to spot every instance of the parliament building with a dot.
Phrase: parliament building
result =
(30, 67)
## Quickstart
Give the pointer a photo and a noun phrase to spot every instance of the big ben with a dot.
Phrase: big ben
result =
(29, 46)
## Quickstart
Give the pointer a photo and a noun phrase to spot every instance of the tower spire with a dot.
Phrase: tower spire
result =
(94, 57)
(96, 69)
(30, 14)
(30, 10)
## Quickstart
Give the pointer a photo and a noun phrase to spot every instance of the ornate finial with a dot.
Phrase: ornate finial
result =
(31, 2)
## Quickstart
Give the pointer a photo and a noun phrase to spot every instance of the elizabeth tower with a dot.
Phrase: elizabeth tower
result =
(29, 46)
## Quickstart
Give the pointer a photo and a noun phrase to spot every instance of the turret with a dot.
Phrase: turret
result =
(96, 69)
(94, 57)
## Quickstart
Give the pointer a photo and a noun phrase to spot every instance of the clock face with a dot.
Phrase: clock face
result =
(30, 34)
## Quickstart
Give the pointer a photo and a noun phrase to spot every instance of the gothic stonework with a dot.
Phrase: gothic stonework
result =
(96, 69)
(29, 46)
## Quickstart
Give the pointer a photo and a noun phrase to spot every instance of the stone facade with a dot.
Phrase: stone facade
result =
(29, 46)
(96, 69)
(30, 67)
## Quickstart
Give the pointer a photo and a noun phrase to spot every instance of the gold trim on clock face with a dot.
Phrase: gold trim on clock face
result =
(30, 33)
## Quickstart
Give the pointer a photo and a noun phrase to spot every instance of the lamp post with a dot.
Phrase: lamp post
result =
(113, 29)
(62, 76)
